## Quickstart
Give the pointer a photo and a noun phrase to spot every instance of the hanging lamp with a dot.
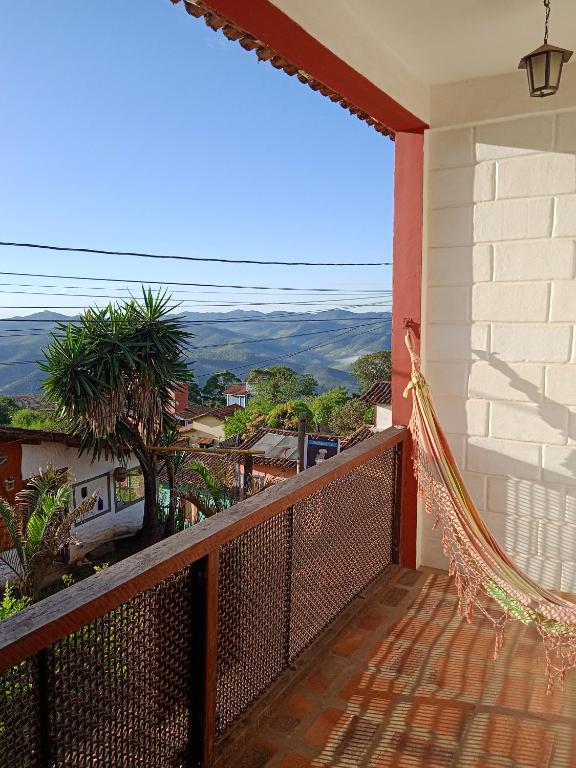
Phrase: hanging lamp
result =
(544, 65)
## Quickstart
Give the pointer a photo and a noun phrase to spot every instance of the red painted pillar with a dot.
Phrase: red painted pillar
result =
(406, 305)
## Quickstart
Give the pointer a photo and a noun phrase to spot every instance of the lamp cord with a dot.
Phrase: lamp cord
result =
(547, 6)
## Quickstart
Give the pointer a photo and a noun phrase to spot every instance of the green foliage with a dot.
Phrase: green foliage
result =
(213, 390)
(10, 604)
(112, 375)
(280, 384)
(215, 497)
(247, 420)
(194, 390)
(287, 415)
(324, 405)
(7, 408)
(349, 418)
(39, 526)
(101, 567)
(28, 418)
(376, 366)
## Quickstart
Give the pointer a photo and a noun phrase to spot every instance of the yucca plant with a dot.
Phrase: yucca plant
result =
(112, 376)
(40, 524)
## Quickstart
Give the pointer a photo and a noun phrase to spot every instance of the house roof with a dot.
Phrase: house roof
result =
(222, 412)
(236, 389)
(37, 402)
(379, 393)
(235, 32)
(31, 436)
(289, 463)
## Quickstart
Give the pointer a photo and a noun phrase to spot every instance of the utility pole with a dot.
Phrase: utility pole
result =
(301, 441)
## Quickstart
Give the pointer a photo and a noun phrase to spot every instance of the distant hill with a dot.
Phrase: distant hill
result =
(334, 340)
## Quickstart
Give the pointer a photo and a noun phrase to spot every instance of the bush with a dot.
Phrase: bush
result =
(247, 420)
(287, 415)
(10, 604)
(350, 417)
(325, 404)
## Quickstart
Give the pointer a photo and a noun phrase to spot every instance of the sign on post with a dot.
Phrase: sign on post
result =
(320, 449)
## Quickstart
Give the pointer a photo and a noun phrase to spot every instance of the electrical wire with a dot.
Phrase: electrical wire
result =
(168, 283)
(43, 334)
(300, 351)
(288, 317)
(212, 260)
(281, 357)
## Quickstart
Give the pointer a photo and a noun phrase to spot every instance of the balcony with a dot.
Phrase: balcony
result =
(282, 632)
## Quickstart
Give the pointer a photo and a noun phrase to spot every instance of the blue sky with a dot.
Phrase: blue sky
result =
(129, 125)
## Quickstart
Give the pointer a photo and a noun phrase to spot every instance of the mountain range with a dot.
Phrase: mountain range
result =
(324, 344)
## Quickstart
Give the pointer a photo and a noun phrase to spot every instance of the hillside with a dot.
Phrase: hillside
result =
(332, 340)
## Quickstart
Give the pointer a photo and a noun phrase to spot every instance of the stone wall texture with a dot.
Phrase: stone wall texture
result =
(499, 332)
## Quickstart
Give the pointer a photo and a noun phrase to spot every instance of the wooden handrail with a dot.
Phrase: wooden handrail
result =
(44, 623)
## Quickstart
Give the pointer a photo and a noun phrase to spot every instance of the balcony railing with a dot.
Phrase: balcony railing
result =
(148, 662)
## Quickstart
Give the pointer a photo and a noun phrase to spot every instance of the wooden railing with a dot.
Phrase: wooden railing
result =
(149, 661)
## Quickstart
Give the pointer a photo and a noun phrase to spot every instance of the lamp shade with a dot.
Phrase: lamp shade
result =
(120, 474)
(544, 69)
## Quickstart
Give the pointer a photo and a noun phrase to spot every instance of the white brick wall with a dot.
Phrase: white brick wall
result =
(499, 329)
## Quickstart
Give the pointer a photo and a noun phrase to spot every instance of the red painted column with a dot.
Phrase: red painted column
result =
(406, 305)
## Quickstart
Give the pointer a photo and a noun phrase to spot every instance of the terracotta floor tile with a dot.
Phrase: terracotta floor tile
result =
(347, 643)
(438, 717)
(528, 742)
(423, 693)
(329, 722)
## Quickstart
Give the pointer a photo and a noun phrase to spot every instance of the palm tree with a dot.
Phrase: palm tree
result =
(215, 497)
(112, 376)
(39, 525)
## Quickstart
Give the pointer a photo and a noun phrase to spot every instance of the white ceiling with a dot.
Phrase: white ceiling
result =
(438, 41)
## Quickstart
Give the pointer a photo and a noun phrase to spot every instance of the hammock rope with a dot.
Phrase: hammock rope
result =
(485, 576)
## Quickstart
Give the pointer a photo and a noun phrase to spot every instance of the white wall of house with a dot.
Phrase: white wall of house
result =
(383, 416)
(499, 320)
(99, 526)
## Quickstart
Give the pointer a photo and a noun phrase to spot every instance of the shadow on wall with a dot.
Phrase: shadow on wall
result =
(502, 202)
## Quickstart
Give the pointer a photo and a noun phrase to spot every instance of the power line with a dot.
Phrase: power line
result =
(18, 334)
(286, 318)
(300, 351)
(196, 258)
(338, 334)
(168, 283)
(377, 301)
(351, 293)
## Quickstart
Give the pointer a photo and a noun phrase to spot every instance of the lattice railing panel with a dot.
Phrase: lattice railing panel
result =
(342, 539)
(20, 742)
(119, 688)
(252, 635)
(284, 581)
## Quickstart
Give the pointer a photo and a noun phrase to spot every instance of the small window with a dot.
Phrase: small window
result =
(130, 490)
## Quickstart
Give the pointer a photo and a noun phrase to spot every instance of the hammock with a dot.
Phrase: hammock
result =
(480, 567)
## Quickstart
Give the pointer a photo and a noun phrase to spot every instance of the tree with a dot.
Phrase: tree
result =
(112, 377)
(324, 405)
(348, 418)
(213, 390)
(7, 408)
(279, 384)
(376, 366)
(39, 525)
(247, 420)
(28, 418)
(194, 390)
(287, 415)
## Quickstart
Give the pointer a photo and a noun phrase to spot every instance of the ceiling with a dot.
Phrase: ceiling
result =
(437, 41)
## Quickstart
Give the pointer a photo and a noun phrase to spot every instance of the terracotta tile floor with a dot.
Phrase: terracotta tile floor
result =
(405, 683)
